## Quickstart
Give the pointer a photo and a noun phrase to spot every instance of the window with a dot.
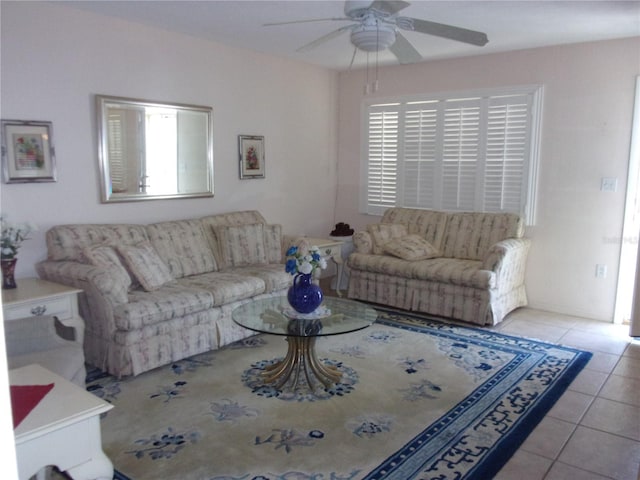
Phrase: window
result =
(475, 151)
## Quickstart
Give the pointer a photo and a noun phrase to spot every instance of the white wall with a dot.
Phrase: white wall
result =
(53, 64)
(587, 113)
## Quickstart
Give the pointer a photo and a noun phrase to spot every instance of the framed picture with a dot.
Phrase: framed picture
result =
(251, 150)
(27, 152)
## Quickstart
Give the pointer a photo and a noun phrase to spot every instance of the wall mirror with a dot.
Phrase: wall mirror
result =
(150, 150)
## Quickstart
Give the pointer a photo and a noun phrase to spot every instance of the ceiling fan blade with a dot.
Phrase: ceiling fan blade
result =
(404, 51)
(305, 21)
(441, 30)
(389, 6)
(325, 38)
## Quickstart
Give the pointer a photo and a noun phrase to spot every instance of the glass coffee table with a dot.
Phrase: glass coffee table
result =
(274, 316)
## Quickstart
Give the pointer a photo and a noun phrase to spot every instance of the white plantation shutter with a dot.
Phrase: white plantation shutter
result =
(508, 126)
(382, 165)
(421, 151)
(463, 152)
(460, 154)
(117, 170)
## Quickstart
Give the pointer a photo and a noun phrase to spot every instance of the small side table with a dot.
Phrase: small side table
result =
(62, 430)
(342, 281)
(330, 249)
(35, 297)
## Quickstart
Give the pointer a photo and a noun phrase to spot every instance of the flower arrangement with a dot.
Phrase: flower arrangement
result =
(299, 261)
(29, 149)
(12, 237)
(252, 159)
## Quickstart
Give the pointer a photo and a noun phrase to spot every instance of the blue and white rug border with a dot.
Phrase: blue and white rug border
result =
(509, 443)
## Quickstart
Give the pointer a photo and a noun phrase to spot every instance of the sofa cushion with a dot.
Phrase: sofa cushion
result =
(246, 217)
(240, 245)
(471, 235)
(145, 265)
(234, 218)
(66, 242)
(165, 303)
(183, 246)
(467, 273)
(383, 233)
(225, 287)
(273, 243)
(411, 247)
(173, 338)
(273, 275)
(429, 224)
(106, 256)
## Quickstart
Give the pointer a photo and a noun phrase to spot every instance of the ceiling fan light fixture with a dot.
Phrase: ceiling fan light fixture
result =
(373, 38)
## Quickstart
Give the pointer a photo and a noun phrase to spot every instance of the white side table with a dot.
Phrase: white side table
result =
(36, 297)
(62, 430)
(330, 249)
(342, 281)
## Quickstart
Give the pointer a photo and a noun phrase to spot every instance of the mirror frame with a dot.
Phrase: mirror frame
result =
(103, 149)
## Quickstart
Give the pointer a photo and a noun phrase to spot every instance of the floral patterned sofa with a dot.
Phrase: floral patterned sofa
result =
(154, 294)
(464, 266)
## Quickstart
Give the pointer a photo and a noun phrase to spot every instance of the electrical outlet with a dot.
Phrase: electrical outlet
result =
(601, 271)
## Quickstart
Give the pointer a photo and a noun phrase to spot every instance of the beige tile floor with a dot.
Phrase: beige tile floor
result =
(593, 431)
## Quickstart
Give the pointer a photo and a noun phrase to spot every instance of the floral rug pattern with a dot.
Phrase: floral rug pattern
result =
(417, 399)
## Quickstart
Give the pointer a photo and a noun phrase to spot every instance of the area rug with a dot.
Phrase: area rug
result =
(418, 399)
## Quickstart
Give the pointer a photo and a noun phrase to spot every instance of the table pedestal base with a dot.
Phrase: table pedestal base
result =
(301, 360)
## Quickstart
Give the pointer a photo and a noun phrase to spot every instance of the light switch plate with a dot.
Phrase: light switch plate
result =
(609, 184)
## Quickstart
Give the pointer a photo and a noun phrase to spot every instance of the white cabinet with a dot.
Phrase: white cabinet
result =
(35, 297)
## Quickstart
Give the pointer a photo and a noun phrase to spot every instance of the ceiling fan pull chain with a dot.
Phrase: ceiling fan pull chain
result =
(375, 83)
(366, 86)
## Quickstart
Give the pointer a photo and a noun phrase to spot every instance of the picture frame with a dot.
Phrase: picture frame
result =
(27, 151)
(251, 151)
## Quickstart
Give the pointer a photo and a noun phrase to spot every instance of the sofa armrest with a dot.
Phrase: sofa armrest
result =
(362, 242)
(102, 290)
(508, 259)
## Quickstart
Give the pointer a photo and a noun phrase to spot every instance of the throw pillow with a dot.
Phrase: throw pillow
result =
(411, 247)
(146, 265)
(240, 245)
(106, 256)
(383, 233)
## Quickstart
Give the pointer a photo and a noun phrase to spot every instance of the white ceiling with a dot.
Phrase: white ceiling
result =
(510, 25)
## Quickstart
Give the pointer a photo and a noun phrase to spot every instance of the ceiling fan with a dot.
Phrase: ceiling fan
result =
(376, 25)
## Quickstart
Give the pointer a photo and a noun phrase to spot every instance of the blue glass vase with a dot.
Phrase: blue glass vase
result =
(304, 296)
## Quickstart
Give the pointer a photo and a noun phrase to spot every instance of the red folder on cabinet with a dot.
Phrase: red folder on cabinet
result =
(24, 398)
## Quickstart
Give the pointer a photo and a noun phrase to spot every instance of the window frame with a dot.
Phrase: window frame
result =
(534, 93)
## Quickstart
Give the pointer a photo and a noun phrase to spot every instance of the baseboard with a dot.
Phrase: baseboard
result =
(564, 310)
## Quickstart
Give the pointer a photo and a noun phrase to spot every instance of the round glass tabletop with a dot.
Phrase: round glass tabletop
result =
(276, 317)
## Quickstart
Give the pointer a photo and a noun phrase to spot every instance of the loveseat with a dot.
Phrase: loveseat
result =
(157, 293)
(463, 266)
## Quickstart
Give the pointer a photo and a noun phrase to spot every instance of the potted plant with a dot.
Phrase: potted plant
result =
(12, 237)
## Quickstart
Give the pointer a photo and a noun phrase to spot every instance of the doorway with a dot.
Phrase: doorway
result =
(626, 294)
